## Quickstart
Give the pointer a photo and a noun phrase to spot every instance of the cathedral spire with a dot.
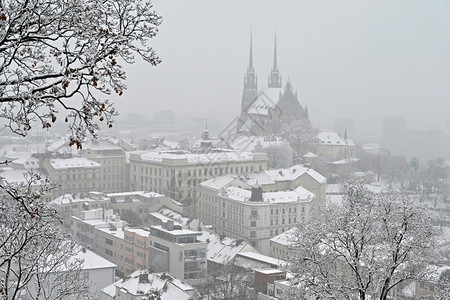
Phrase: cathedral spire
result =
(250, 59)
(274, 77)
(250, 80)
(275, 64)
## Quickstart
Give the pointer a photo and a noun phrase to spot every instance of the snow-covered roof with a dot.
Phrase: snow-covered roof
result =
(284, 238)
(194, 158)
(141, 282)
(292, 173)
(309, 155)
(344, 161)
(219, 182)
(333, 139)
(28, 162)
(297, 195)
(73, 162)
(264, 102)
(249, 143)
(221, 251)
(93, 261)
(256, 261)
(145, 194)
(177, 231)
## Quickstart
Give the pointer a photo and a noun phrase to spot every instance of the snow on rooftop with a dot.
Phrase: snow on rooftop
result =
(221, 251)
(177, 231)
(240, 194)
(93, 261)
(293, 173)
(174, 216)
(135, 193)
(258, 261)
(141, 282)
(265, 101)
(73, 162)
(330, 138)
(193, 158)
(218, 182)
(250, 143)
(285, 237)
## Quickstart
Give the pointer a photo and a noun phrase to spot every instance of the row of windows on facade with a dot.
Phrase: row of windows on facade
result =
(205, 171)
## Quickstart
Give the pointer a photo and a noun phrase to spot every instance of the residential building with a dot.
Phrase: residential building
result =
(177, 173)
(75, 174)
(258, 206)
(106, 235)
(114, 171)
(96, 273)
(279, 245)
(333, 147)
(177, 250)
(142, 283)
(140, 202)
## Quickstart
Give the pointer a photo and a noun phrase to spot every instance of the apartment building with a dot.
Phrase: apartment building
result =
(177, 173)
(177, 250)
(140, 202)
(106, 235)
(258, 206)
(114, 172)
(75, 174)
(141, 283)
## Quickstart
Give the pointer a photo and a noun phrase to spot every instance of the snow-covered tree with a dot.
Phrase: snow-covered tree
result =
(365, 247)
(36, 256)
(60, 57)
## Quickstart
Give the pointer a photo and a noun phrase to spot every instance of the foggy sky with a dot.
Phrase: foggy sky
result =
(347, 59)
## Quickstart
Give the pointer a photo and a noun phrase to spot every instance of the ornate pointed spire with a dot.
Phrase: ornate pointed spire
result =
(250, 79)
(275, 64)
(274, 77)
(250, 59)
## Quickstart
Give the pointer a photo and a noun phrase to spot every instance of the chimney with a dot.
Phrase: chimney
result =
(169, 225)
(143, 278)
(256, 195)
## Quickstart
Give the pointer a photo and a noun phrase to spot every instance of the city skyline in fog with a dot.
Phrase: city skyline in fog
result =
(348, 60)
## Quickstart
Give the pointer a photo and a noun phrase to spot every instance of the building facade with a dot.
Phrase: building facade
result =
(177, 250)
(176, 174)
(258, 206)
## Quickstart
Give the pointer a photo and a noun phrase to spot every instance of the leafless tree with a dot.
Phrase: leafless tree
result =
(58, 58)
(364, 248)
(35, 253)
(64, 55)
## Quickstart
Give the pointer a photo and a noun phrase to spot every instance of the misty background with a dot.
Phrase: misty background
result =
(354, 61)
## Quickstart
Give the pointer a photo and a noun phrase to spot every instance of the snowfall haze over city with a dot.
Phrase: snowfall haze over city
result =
(359, 60)
(218, 150)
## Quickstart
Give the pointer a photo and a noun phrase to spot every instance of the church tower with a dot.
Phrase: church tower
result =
(250, 83)
(274, 77)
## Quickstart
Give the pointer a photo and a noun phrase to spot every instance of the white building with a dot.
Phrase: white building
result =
(177, 251)
(258, 206)
(76, 174)
(177, 173)
(96, 274)
(141, 283)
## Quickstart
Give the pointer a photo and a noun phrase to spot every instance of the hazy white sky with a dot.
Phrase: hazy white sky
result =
(357, 59)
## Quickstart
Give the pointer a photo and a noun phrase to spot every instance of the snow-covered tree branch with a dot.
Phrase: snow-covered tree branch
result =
(61, 57)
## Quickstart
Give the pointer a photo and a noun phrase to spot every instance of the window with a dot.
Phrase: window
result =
(253, 234)
(141, 255)
(252, 223)
(108, 252)
(108, 241)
